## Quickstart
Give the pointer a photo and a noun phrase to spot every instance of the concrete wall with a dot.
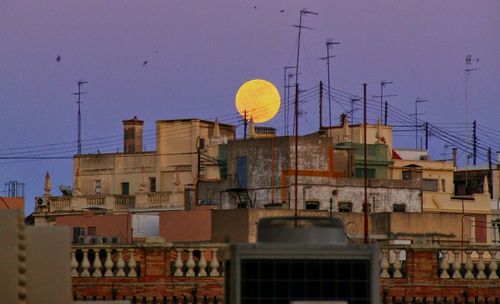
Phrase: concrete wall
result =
(186, 226)
(108, 225)
(112, 170)
(240, 225)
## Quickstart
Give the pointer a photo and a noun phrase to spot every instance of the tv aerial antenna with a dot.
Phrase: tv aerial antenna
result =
(78, 102)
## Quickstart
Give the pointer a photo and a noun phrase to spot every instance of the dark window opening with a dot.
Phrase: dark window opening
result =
(312, 205)
(152, 184)
(345, 207)
(125, 188)
(399, 208)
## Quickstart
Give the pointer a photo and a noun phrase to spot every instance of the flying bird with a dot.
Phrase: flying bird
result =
(144, 63)
(282, 11)
(58, 58)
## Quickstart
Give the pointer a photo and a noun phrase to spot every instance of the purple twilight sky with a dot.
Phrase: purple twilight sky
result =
(199, 52)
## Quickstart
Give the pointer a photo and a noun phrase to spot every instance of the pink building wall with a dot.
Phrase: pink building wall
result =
(106, 225)
(186, 226)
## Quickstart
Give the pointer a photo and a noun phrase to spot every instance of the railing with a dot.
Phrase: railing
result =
(124, 201)
(125, 261)
(468, 262)
(392, 262)
(60, 202)
(104, 261)
(164, 199)
(96, 200)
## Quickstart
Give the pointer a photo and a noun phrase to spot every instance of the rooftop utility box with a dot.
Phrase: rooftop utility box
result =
(299, 260)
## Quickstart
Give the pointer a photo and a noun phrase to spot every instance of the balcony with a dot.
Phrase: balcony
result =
(117, 202)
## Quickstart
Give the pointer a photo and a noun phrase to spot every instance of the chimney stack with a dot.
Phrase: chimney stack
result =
(132, 135)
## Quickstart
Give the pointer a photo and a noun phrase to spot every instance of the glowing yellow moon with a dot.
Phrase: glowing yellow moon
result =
(259, 98)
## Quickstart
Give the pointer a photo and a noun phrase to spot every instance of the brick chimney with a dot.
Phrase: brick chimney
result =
(132, 135)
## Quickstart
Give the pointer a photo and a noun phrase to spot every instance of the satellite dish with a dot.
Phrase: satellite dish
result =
(65, 190)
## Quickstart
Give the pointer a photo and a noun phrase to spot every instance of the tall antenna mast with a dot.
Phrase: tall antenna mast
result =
(78, 102)
(296, 108)
(468, 69)
(329, 43)
(417, 101)
(286, 91)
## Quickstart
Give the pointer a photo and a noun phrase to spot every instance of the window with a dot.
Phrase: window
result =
(370, 173)
(241, 171)
(345, 207)
(152, 184)
(429, 184)
(443, 185)
(312, 205)
(97, 186)
(399, 207)
(415, 173)
(77, 233)
(125, 188)
(92, 231)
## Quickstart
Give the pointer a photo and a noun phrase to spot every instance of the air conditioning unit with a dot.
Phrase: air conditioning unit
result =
(41, 201)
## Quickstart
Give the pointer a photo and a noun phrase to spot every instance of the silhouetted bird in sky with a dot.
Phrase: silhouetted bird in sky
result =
(58, 58)
(144, 63)
(282, 11)
(254, 7)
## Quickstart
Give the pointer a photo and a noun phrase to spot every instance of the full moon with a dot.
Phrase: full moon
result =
(259, 98)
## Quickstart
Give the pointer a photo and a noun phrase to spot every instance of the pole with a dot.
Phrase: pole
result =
(78, 102)
(296, 214)
(321, 105)
(386, 113)
(416, 126)
(284, 100)
(329, 85)
(245, 124)
(474, 142)
(365, 168)
(426, 135)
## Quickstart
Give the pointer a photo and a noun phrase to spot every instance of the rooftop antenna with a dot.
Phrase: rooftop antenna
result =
(383, 83)
(329, 44)
(353, 100)
(417, 101)
(286, 91)
(468, 69)
(303, 12)
(80, 83)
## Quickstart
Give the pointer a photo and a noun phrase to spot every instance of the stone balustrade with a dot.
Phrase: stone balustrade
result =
(165, 199)
(117, 202)
(392, 262)
(60, 203)
(124, 261)
(104, 261)
(428, 273)
(469, 262)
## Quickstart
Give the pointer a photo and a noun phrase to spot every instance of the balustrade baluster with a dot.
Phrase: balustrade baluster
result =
(397, 264)
(456, 265)
(202, 264)
(214, 264)
(468, 265)
(85, 264)
(444, 265)
(132, 264)
(480, 265)
(190, 264)
(178, 264)
(493, 266)
(97, 264)
(120, 264)
(108, 264)
(384, 265)
(74, 264)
